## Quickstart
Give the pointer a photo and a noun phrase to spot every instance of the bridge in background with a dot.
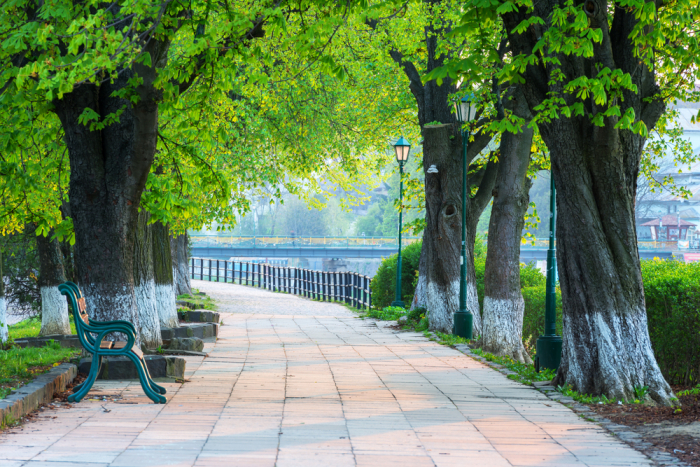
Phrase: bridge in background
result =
(225, 247)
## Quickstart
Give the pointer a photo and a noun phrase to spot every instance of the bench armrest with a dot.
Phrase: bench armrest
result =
(100, 324)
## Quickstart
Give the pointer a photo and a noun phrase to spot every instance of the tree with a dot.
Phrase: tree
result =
(54, 307)
(596, 76)
(163, 270)
(504, 306)
(427, 48)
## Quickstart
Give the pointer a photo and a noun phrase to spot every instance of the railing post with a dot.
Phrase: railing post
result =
(247, 270)
(192, 276)
(201, 269)
(217, 270)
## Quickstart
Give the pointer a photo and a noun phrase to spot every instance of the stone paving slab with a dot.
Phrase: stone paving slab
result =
(291, 382)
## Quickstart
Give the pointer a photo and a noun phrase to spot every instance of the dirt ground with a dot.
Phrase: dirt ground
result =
(670, 429)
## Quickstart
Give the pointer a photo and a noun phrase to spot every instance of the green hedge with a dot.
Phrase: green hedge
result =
(672, 291)
(383, 284)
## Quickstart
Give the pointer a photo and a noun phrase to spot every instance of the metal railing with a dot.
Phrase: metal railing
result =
(347, 287)
(296, 242)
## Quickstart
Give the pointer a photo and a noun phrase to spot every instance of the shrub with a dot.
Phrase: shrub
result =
(533, 320)
(383, 284)
(672, 291)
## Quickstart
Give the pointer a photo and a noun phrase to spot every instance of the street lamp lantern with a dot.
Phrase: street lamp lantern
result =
(402, 147)
(466, 108)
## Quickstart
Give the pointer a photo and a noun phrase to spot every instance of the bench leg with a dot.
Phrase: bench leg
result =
(156, 388)
(100, 361)
(144, 379)
(85, 386)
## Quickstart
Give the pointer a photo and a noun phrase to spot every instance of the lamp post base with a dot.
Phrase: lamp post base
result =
(462, 324)
(548, 353)
(398, 303)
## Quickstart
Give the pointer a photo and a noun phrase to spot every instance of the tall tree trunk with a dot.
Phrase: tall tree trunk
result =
(163, 275)
(606, 345)
(4, 333)
(54, 307)
(144, 283)
(109, 168)
(68, 263)
(504, 306)
(179, 246)
(440, 254)
(439, 267)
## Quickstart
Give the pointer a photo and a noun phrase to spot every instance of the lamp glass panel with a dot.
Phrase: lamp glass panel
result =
(402, 153)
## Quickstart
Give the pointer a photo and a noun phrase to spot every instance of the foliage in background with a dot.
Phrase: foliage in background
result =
(21, 273)
(383, 284)
(672, 293)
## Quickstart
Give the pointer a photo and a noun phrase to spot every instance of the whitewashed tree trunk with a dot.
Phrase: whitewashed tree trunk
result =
(503, 328)
(54, 307)
(163, 274)
(504, 306)
(144, 284)
(180, 256)
(54, 312)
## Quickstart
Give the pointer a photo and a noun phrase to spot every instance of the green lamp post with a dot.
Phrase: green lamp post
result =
(549, 345)
(463, 320)
(401, 148)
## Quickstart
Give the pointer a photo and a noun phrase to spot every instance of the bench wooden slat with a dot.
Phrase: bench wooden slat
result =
(106, 344)
(121, 344)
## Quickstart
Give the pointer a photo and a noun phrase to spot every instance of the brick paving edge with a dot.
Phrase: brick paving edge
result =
(40, 391)
(625, 433)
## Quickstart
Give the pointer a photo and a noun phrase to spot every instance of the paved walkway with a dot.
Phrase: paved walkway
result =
(292, 382)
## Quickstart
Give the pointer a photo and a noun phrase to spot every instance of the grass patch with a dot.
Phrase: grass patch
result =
(524, 373)
(198, 302)
(390, 313)
(18, 366)
(32, 326)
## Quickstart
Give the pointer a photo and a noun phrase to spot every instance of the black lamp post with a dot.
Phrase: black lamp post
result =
(549, 345)
(401, 148)
(463, 320)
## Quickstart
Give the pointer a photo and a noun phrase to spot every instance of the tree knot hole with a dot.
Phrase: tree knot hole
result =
(591, 8)
(450, 210)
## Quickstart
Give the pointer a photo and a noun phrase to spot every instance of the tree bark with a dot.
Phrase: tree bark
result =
(606, 345)
(442, 237)
(439, 267)
(504, 306)
(54, 307)
(4, 333)
(144, 283)
(179, 247)
(163, 275)
(109, 168)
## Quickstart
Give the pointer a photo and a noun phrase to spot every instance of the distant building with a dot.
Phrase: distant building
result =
(652, 206)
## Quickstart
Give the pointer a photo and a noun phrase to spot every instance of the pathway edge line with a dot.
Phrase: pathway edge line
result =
(40, 391)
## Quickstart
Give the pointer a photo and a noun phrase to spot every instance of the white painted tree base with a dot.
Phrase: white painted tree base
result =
(4, 333)
(54, 312)
(624, 357)
(503, 328)
(167, 309)
(149, 322)
(441, 305)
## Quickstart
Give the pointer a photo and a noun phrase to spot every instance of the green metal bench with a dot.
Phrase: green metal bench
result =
(92, 336)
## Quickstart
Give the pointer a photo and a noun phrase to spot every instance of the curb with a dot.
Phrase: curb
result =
(622, 432)
(40, 391)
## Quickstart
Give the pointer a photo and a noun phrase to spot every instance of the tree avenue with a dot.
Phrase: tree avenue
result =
(597, 76)
(161, 107)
